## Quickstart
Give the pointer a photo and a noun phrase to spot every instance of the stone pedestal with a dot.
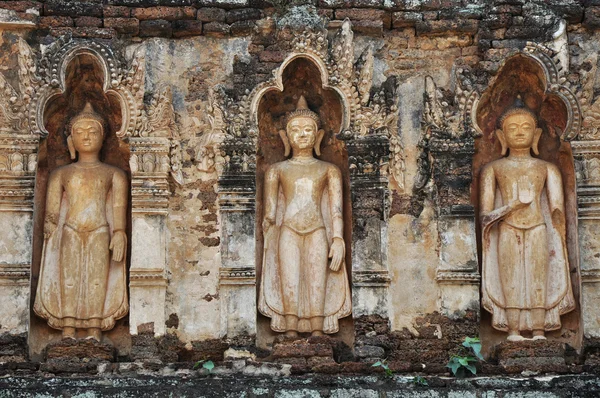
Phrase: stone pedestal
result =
(531, 355)
(77, 356)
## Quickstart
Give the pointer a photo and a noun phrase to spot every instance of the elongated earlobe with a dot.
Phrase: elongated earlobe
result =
(500, 135)
(536, 141)
(72, 151)
(286, 142)
(317, 146)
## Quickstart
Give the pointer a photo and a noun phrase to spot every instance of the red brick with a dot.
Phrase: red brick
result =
(371, 28)
(216, 29)
(128, 26)
(55, 22)
(445, 26)
(363, 14)
(271, 56)
(187, 28)
(72, 8)
(210, 14)
(156, 28)
(244, 14)
(165, 13)
(21, 6)
(99, 33)
(405, 19)
(116, 12)
(90, 22)
(242, 28)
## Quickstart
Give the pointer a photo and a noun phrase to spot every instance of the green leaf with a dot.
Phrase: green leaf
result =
(208, 365)
(454, 365)
(197, 364)
(378, 363)
(472, 368)
(463, 361)
(477, 350)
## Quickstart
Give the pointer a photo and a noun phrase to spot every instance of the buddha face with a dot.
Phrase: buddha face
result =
(519, 130)
(302, 132)
(87, 135)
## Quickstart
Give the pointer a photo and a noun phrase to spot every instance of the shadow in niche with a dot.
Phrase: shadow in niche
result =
(84, 83)
(300, 77)
(523, 75)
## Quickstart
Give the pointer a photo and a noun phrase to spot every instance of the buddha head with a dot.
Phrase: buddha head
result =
(302, 129)
(86, 132)
(518, 128)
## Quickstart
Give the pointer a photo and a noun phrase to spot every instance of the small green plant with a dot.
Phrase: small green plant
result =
(383, 365)
(459, 364)
(420, 381)
(208, 365)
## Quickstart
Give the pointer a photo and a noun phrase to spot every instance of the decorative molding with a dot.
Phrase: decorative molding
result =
(590, 276)
(369, 278)
(141, 277)
(237, 276)
(455, 277)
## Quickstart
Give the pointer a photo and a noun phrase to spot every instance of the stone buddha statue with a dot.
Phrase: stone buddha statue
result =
(82, 281)
(304, 286)
(526, 283)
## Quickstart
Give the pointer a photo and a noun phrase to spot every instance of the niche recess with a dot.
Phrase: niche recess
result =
(524, 75)
(84, 81)
(301, 76)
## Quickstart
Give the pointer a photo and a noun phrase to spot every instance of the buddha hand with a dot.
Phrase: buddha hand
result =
(118, 245)
(336, 254)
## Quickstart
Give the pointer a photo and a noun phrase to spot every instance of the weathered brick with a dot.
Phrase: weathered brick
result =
(444, 26)
(431, 15)
(403, 19)
(371, 28)
(211, 14)
(55, 22)
(89, 22)
(227, 4)
(527, 31)
(242, 28)
(72, 8)
(165, 13)
(361, 14)
(133, 3)
(127, 26)
(326, 12)
(512, 9)
(592, 18)
(243, 14)
(96, 33)
(216, 29)
(21, 6)
(116, 12)
(300, 349)
(271, 56)
(156, 28)
(186, 28)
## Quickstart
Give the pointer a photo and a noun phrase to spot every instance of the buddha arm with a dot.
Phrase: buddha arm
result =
(336, 201)
(119, 187)
(487, 192)
(271, 194)
(53, 199)
(556, 200)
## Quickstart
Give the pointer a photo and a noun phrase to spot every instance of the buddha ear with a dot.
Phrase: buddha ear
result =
(286, 142)
(536, 140)
(502, 139)
(317, 146)
(72, 151)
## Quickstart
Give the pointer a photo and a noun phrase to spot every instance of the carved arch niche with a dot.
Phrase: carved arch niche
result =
(75, 74)
(300, 76)
(533, 76)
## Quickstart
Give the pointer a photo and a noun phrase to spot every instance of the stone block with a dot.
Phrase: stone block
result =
(403, 19)
(370, 28)
(301, 349)
(216, 29)
(55, 22)
(211, 14)
(21, 6)
(244, 14)
(242, 28)
(369, 351)
(156, 28)
(184, 28)
(86, 33)
(128, 26)
(271, 56)
(90, 22)
(446, 26)
(528, 31)
(90, 349)
(164, 13)
(592, 18)
(72, 8)
(117, 12)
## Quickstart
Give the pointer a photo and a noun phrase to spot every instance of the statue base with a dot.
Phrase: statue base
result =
(531, 355)
(77, 356)
(307, 353)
